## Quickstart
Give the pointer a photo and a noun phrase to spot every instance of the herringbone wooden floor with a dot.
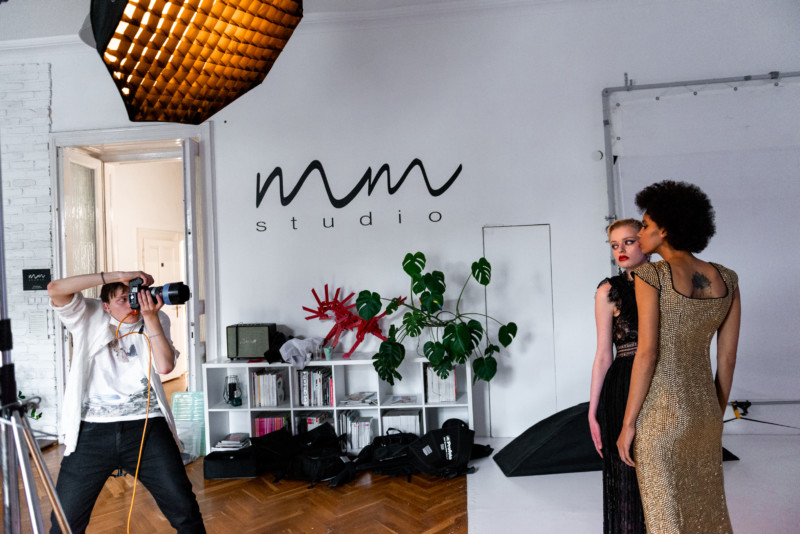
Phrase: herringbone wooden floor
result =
(370, 504)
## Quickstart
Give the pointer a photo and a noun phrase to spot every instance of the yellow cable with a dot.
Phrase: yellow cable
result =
(146, 415)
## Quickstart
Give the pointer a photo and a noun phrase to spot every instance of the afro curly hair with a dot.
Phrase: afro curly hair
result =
(683, 210)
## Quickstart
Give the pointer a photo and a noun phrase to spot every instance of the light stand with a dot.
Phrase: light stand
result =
(15, 432)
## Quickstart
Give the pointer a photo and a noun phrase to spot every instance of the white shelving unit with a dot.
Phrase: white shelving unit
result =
(350, 375)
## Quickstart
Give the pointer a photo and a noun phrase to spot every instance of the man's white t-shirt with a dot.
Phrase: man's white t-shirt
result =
(117, 385)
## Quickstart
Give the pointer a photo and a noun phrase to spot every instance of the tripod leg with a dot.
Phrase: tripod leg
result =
(47, 480)
(10, 481)
(27, 475)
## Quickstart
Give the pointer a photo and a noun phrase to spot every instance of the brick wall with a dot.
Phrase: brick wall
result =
(25, 97)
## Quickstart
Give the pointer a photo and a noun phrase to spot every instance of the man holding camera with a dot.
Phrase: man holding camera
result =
(111, 396)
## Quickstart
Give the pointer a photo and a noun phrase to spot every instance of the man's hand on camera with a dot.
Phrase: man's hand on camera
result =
(146, 304)
(127, 276)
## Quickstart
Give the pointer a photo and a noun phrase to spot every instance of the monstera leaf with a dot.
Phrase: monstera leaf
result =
(431, 302)
(413, 264)
(414, 322)
(389, 357)
(484, 368)
(506, 333)
(368, 304)
(434, 282)
(458, 338)
(475, 332)
(438, 358)
(482, 271)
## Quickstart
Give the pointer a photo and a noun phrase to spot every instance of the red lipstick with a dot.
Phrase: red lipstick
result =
(623, 258)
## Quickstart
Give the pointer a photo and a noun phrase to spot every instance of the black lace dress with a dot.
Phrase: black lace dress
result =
(622, 505)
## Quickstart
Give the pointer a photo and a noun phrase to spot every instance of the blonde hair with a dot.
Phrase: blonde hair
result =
(636, 223)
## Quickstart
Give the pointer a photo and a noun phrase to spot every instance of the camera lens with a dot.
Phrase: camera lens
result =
(174, 293)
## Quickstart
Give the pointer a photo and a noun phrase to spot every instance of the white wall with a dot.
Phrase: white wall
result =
(512, 94)
(509, 90)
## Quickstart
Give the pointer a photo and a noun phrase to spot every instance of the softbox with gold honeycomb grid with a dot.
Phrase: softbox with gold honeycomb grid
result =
(184, 60)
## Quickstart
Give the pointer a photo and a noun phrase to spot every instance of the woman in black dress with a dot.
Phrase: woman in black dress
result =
(616, 318)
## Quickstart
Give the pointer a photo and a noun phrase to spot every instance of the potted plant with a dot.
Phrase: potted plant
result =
(457, 337)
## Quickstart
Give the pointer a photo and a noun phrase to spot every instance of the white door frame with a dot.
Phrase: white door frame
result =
(203, 135)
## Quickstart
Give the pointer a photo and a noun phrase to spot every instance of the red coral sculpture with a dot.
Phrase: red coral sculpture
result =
(344, 319)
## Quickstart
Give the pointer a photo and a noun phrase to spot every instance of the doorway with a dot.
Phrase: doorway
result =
(148, 190)
(123, 214)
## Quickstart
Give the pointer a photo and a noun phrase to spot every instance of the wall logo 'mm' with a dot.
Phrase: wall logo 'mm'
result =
(367, 179)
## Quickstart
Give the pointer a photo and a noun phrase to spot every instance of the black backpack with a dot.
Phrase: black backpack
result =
(320, 456)
(445, 452)
(274, 451)
(386, 455)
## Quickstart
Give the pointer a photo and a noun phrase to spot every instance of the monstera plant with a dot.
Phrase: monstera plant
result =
(455, 336)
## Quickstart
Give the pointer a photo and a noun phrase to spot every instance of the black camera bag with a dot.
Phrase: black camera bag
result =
(388, 455)
(320, 456)
(444, 452)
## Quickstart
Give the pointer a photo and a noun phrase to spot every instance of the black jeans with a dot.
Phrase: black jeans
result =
(105, 447)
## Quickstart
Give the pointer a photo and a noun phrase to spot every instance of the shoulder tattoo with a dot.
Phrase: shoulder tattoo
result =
(701, 285)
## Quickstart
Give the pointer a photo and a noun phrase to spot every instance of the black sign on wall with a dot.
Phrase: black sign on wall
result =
(35, 279)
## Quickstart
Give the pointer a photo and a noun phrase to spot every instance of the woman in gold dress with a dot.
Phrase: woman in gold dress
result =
(673, 419)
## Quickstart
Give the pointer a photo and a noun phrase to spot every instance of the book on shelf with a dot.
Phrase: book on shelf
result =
(264, 423)
(315, 387)
(267, 388)
(439, 389)
(404, 420)
(403, 399)
(359, 429)
(235, 440)
(361, 398)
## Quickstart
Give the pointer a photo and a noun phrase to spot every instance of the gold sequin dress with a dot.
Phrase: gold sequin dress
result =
(678, 442)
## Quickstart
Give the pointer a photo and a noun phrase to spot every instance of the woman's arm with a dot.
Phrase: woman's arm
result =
(603, 356)
(644, 365)
(727, 345)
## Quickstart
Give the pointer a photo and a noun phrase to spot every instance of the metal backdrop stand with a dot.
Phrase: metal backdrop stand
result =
(15, 432)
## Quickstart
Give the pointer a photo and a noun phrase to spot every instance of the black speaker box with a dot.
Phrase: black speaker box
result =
(250, 340)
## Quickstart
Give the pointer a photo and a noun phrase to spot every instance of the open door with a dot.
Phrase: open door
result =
(81, 221)
(83, 212)
(195, 244)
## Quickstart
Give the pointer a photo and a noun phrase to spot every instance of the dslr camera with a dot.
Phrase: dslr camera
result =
(173, 293)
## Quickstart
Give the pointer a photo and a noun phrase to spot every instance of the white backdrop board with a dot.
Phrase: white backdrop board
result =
(740, 142)
(524, 390)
